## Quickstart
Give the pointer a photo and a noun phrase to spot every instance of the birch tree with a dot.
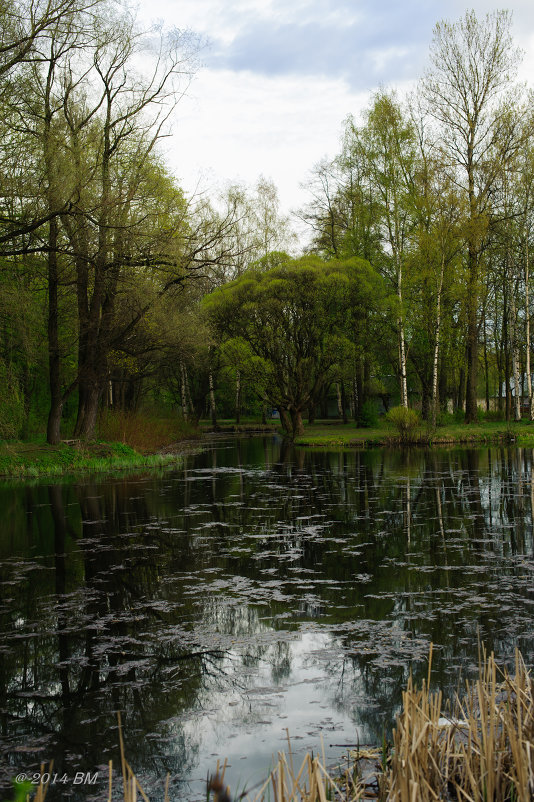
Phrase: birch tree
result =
(473, 65)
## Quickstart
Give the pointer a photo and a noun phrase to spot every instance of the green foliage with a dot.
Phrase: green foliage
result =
(41, 460)
(494, 415)
(288, 329)
(406, 421)
(22, 790)
(368, 418)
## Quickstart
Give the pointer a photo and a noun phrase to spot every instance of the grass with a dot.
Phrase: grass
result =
(125, 441)
(32, 460)
(481, 749)
(349, 436)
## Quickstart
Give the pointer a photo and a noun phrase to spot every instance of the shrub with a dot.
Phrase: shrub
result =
(445, 419)
(405, 421)
(368, 417)
(143, 431)
(494, 415)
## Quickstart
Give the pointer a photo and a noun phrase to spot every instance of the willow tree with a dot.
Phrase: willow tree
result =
(473, 65)
(289, 327)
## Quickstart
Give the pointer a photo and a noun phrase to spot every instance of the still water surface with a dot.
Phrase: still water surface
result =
(259, 588)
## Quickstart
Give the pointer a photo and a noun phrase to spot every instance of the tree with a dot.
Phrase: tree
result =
(473, 64)
(288, 327)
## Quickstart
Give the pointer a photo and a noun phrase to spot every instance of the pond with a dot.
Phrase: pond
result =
(255, 590)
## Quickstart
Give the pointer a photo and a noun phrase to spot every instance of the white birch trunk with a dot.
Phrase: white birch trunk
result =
(515, 360)
(183, 392)
(402, 342)
(237, 396)
(527, 328)
(213, 409)
(436, 346)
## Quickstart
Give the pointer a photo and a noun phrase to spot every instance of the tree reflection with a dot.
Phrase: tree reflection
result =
(160, 596)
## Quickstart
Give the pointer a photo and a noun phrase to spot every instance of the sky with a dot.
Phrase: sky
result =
(276, 79)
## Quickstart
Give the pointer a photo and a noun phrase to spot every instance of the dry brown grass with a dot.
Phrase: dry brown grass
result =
(145, 432)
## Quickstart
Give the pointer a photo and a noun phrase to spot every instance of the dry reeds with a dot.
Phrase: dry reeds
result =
(482, 751)
(311, 781)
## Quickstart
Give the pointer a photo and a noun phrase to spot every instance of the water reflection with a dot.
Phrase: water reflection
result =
(256, 589)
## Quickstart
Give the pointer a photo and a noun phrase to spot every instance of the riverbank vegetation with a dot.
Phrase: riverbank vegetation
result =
(384, 433)
(33, 460)
(119, 293)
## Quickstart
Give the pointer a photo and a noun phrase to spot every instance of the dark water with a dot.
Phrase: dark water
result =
(255, 590)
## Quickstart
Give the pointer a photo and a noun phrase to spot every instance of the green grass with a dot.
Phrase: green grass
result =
(349, 436)
(33, 460)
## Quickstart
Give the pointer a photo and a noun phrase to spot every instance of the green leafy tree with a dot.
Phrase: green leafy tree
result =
(289, 327)
(473, 65)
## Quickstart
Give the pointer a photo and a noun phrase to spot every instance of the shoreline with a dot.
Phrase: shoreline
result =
(72, 458)
(519, 433)
(31, 460)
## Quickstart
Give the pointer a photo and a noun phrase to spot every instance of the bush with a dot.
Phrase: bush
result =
(495, 415)
(144, 431)
(368, 417)
(406, 422)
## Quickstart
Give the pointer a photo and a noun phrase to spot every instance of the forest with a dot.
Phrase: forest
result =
(122, 293)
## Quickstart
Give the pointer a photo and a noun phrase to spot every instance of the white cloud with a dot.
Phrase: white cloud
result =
(280, 77)
(236, 126)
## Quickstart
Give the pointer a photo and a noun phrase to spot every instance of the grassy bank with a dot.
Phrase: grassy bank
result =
(124, 441)
(384, 434)
(32, 460)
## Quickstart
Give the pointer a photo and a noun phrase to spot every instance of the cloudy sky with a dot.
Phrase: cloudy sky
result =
(277, 78)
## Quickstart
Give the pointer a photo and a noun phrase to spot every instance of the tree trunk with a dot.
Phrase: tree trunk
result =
(285, 420)
(339, 404)
(213, 408)
(402, 364)
(87, 424)
(527, 329)
(486, 370)
(344, 403)
(53, 430)
(237, 397)
(461, 389)
(355, 404)
(183, 393)
(297, 426)
(515, 361)
(435, 398)
(472, 339)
